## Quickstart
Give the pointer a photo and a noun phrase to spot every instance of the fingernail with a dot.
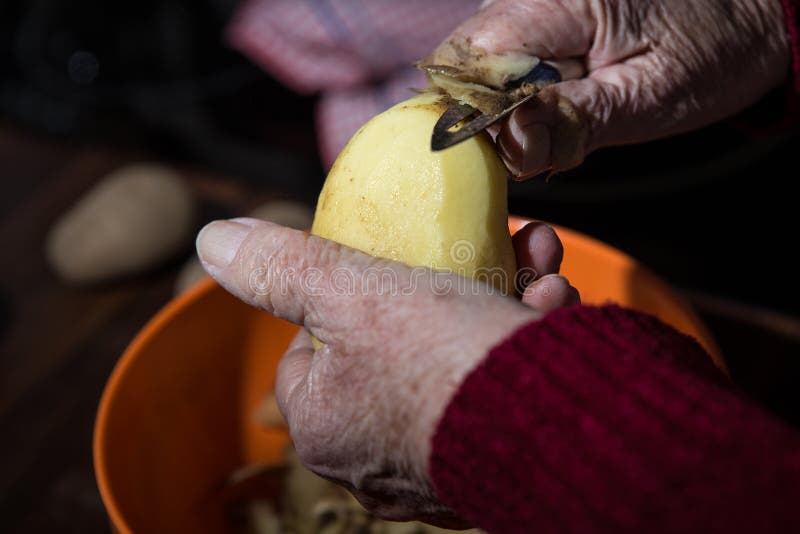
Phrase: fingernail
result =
(218, 242)
(544, 282)
(250, 222)
(535, 148)
(525, 148)
(574, 297)
(554, 276)
(534, 176)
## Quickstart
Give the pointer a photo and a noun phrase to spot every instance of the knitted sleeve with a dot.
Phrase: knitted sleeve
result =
(602, 419)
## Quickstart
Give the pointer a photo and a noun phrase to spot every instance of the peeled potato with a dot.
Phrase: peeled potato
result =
(389, 195)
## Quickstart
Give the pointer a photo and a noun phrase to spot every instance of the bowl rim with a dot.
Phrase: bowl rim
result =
(176, 305)
(158, 322)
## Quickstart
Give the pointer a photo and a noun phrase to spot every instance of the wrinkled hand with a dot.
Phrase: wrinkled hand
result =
(398, 342)
(653, 68)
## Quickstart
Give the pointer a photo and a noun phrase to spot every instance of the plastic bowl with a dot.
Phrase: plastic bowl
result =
(175, 419)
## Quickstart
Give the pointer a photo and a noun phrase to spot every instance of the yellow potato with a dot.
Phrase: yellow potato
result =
(389, 195)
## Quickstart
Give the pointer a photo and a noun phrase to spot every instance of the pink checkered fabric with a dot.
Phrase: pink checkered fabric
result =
(358, 54)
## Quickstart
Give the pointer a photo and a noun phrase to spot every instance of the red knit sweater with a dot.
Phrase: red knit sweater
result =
(602, 419)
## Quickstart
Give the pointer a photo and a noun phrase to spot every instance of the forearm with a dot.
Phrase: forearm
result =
(603, 419)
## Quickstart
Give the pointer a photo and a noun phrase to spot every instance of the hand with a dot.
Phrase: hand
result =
(362, 409)
(653, 69)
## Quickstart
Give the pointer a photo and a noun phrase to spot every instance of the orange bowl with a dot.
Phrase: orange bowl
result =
(175, 419)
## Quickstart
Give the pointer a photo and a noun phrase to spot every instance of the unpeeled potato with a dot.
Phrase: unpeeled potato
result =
(136, 218)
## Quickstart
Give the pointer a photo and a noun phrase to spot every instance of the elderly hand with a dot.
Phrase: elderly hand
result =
(398, 342)
(653, 68)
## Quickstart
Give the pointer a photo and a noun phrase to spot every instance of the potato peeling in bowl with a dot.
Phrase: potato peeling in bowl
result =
(308, 504)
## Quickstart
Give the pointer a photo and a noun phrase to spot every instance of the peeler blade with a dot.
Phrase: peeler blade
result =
(459, 122)
(447, 132)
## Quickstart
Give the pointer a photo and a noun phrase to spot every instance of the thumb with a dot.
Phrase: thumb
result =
(299, 277)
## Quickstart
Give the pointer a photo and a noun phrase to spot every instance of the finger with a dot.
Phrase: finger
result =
(524, 142)
(557, 129)
(504, 40)
(292, 374)
(538, 250)
(301, 340)
(570, 69)
(542, 28)
(550, 292)
(268, 413)
(299, 277)
(266, 265)
(628, 102)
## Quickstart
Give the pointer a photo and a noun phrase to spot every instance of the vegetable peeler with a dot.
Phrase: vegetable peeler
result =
(459, 122)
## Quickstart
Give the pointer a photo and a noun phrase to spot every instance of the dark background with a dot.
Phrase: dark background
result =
(87, 86)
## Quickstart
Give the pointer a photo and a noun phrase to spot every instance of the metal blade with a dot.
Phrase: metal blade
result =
(443, 134)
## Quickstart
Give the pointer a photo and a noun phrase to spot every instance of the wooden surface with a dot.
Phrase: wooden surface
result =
(58, 344)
